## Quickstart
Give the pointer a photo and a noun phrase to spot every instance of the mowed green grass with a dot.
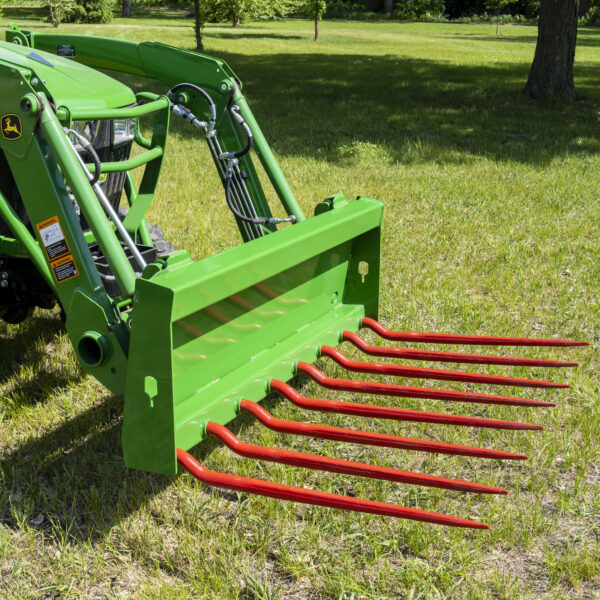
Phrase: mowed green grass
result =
(492, 226)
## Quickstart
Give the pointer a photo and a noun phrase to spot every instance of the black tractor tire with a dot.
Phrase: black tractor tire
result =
(13, 315)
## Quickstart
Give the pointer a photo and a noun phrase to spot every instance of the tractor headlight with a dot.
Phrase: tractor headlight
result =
(104, 134)
(123, 132)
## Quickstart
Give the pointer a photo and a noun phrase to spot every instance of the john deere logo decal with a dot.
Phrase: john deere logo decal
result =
(11, 127)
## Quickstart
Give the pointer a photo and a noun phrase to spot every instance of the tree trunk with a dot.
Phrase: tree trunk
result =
(126, 12)
(236, 10)
(388, 6)
(53, 18)
(316, 27)
(198, 26)
(552, 68)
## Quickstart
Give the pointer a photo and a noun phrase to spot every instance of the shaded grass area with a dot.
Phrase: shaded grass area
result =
(491, 227)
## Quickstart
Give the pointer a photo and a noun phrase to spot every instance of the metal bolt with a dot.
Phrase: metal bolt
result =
(4, 283)
(4, 275)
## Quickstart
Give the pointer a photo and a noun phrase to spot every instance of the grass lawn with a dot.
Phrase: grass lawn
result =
(492, 226)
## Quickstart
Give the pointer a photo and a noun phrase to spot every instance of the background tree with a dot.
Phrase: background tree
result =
(497, 6)
(238, 11)
(59, 11)
(126, 8)
(201, 14)
(552, 68)
(235, 11)
(315, 9)
(80, 11)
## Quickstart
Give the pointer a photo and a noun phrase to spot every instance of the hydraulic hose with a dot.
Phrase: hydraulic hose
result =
(203, 93)
(239, 215)
(230, 157)
(87, 146)
(235, 111)
(103, 200)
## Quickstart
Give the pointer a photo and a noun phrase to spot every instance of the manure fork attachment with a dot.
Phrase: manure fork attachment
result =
(191, 345)
(334, 465)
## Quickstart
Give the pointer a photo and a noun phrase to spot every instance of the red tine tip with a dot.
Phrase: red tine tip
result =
(478, 340)
(355, 436)
(388, 412)
(335, 465)
(306, 496)
(426, 373)
(388, 389)
(450, 357)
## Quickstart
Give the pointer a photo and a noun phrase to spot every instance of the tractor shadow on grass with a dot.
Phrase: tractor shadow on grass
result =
(74, 477)
(32, 345)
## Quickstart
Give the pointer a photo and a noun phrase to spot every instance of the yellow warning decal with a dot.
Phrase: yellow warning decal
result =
(53, 239)
(11, 126)
(64, 269)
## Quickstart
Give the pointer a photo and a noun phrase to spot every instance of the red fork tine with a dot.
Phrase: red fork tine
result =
(298, 494)
(388, 412)
(388, 389)
(477, 340)
(439, 374)
(335, 465)
(354, 436)
(450, 357)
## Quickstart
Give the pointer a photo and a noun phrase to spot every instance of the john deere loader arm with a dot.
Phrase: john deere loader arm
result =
(173, 67)
(191, 345)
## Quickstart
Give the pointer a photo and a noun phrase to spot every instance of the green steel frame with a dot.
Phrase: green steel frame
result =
(186, 341)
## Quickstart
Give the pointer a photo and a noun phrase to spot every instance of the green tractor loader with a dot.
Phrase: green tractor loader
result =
(190, 345)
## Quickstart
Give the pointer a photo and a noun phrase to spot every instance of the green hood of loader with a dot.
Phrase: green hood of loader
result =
(69, 83)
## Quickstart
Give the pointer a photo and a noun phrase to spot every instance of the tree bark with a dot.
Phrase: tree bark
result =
(316, 27)
(126, 12)
(198, 26)
(53, 18)
(552, 68)
(236, 12)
